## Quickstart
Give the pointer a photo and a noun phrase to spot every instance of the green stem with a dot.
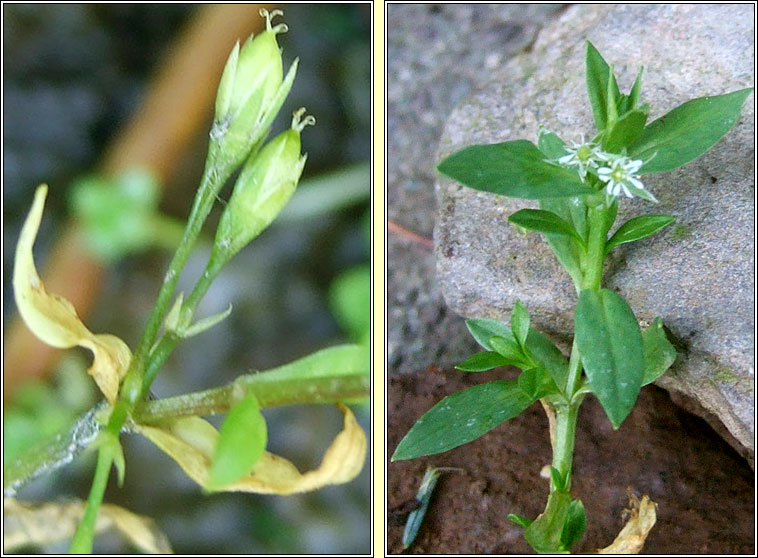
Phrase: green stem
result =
(566, 412)
(565, 435)
(168, 342)
(595, 256)
(213, 178)
(85, 532)
(574, 371)
(327, 389)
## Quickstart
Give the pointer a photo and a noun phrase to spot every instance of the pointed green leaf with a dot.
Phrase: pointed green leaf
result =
(551, 145)
(484, 330)
(637, 228)
(514, 168)
(543, 221)
(659, 353)
(611, 99)
(568, 252)
(520, 322)
(463, 417)
(634, 94)
(241, 442)
(206, 323)
(624, 131)
(544, 534)
(576, 524)
(510, 349)
(557, 478)
(610, 344)
(598, 86)
(339, 373)
(541, 348)
(688, 131)
(529, 382)
(486, 360)
(520, 520)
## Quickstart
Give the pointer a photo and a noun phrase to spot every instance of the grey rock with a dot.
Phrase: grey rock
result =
(698, 274)
(432, 64)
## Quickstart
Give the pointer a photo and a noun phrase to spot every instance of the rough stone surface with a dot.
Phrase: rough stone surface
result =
(698, 275)
(432, 64)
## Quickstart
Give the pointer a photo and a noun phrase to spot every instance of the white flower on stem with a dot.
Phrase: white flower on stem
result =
(582, 155)
(620, 175)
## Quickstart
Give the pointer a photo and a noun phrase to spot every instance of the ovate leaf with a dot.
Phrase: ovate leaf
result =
(463, 417)
(520, 322)
(541, 348)
(484, 330)
(241, 443)
(551, 145)
(576, 524)
(544, 533)
(545, 222)
(688, 131)
(637, 228)
(568, 252)
(509, 348)
(659, 353)
(513, 168)
(486, 360)
(610, 344)
(624, 131)
(529, 382)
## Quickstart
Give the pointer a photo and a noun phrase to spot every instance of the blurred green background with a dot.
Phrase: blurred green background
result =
(74, 74)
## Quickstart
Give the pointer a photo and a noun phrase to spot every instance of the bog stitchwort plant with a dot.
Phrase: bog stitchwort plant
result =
(250, 94)
(578, 187)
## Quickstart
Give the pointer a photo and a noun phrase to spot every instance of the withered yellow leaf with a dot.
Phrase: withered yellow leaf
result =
(53, 319)
(39, 524)
(191, 443)
(632, 537)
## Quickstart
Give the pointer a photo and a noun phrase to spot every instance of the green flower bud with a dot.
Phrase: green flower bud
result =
(250, 93)
(264, 186)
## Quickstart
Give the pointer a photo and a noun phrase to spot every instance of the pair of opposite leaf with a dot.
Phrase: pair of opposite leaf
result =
(190, 441)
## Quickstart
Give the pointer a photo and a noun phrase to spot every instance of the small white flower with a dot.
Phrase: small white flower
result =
(621, 175)
(582, 155)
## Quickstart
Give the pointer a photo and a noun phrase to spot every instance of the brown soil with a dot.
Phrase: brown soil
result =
(703, 488)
